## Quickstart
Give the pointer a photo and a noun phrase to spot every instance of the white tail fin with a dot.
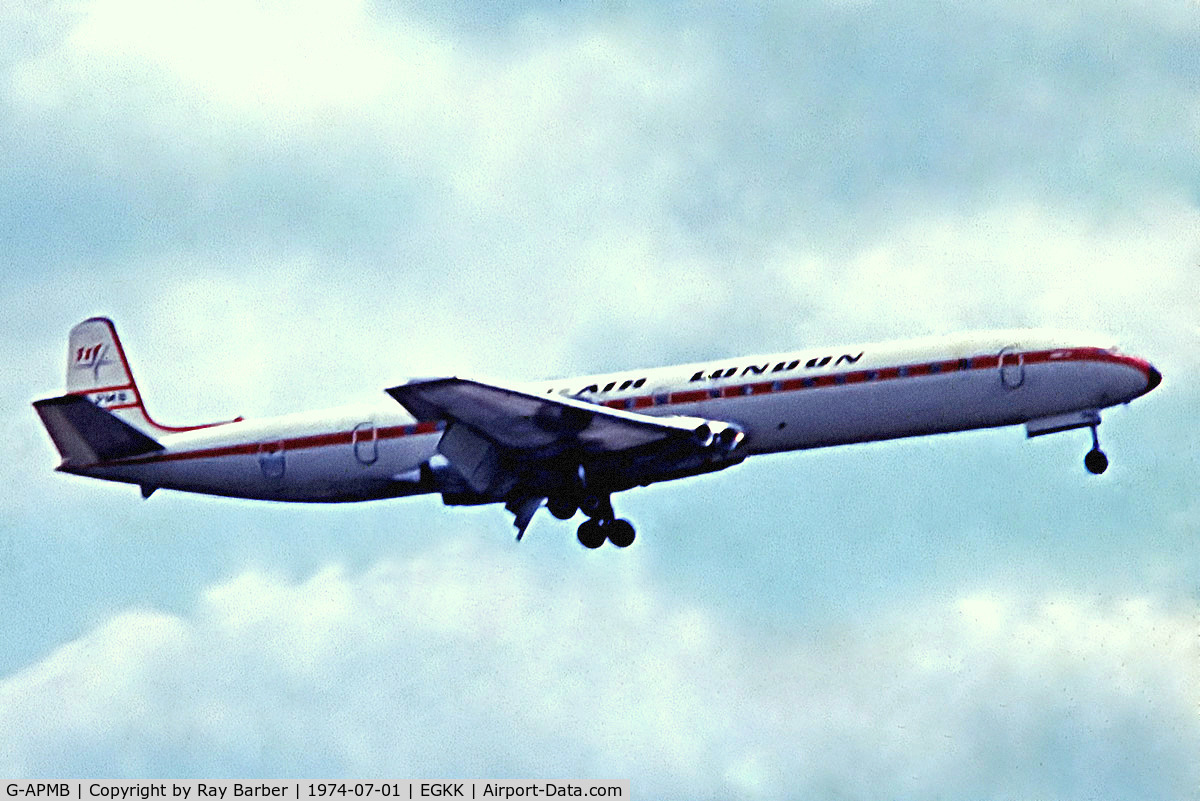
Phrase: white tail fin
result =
(97, 369)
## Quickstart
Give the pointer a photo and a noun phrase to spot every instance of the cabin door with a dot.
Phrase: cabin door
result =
(271, 460)
(365, 440)
(1012, 367)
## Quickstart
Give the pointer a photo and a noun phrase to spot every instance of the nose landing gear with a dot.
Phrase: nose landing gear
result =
(1095, 461)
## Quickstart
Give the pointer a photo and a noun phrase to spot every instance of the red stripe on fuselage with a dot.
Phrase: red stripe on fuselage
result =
(688, 396)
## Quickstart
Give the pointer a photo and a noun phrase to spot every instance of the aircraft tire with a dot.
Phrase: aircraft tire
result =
(620, 533)
(562, 508)
(1095, 461)
(595, 506)
(591, 534)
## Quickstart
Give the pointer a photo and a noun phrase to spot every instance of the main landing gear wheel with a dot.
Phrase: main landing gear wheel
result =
(562, 508)
(591, 534)
(1095, 461)
(602, 524)
(620, 533)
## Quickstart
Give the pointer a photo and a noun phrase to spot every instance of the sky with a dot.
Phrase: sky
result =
(285, 206)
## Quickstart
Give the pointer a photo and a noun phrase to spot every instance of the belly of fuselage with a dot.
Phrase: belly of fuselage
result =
(279, 470)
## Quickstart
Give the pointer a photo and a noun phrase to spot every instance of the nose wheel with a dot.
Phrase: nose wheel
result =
(1095, 461)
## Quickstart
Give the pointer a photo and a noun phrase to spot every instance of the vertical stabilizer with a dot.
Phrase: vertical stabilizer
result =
(98, 370)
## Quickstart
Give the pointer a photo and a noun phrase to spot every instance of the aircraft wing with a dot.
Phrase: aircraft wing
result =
(499, 436)
(545, 424)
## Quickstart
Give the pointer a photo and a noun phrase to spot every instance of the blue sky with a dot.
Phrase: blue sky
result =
(285, 206)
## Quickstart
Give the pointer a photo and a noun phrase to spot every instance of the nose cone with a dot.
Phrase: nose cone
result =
(1153, 378)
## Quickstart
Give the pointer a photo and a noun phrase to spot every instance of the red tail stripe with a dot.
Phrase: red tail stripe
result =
(105, 389)
(133, 385)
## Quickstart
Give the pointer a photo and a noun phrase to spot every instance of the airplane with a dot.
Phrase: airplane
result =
(570, 444)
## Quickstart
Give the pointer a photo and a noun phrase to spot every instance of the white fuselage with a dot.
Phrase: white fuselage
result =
(787, 401)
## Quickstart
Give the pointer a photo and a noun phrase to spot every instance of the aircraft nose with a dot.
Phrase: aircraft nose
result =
(1153, 378)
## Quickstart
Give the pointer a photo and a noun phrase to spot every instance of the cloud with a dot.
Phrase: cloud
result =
(302, 113)
(465, 661)
(355, 131)
(623, 177)
(444, 186)
(1014, 264)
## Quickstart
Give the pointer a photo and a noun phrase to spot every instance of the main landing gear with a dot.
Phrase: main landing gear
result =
(593, 532)
(602, 523)
(1095, 461)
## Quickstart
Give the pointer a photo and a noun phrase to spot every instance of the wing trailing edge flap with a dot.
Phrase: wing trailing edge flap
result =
(476, 458)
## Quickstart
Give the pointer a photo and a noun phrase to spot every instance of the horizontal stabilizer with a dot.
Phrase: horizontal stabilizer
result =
(84, 433)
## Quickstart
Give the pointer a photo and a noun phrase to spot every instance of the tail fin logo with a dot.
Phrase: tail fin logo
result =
(91, 358)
